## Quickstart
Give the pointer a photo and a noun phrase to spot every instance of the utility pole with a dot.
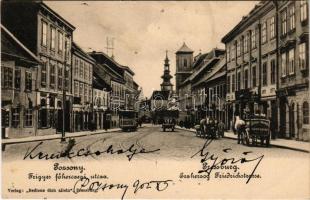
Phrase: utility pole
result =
(63, 133)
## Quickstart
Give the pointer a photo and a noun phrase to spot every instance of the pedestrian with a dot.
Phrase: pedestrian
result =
(221, 127)
(239, 126)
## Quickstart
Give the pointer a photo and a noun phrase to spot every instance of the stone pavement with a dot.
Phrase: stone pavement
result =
(56, 136)
(279, 142)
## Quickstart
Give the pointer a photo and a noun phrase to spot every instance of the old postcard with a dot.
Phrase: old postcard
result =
(155, 100)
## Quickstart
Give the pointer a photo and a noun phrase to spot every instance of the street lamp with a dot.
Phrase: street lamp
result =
(63, 133)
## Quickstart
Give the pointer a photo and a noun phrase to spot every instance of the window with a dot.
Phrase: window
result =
(67, 72)
(76, 88)
(60, 76)
(52, 76)
(185, 63)
(53, 38)
(86, 71)
(305, 112)
(43, 74)
(17, 79)
(273, 71)
(233, 52)
(302, 55)
(254, 76)
(292, 17)
(303, 11)
(28, 117)
(228, 84)
(90, 73)
(291, 61)
(245, 43)
(28, 81)
(264, 32)
(253, 39)
(283, 65)
(90, 94)
(8, 77)
(233, 83)
(44, 33)
(85, 93)
(264, 74)
(67, 46)
(238, 80)
(15, 117)
(81, 90)
(76, 67)
(228, 54)
(238, 48)
(81, 68)
(283, 22)
(272, 28)
(60, 42)
(246, 78)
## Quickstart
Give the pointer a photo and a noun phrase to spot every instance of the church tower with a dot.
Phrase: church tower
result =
(166, 84)
(184, 63)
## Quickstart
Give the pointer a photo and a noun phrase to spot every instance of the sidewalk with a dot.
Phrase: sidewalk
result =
(281, 143)
(56, 136)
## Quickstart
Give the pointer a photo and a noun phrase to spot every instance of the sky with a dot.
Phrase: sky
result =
(144, 30)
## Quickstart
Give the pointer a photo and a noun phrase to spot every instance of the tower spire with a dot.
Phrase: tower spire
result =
(166, 84)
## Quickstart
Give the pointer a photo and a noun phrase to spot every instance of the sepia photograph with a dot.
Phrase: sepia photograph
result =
(155, 99)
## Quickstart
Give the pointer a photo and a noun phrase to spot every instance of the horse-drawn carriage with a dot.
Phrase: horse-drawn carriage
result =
(257, 128)
(167, 119)
(211, 129)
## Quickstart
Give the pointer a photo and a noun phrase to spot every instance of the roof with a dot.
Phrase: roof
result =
(210, 58)
(216, 71)
(43, 5)
(100, 84)
(78, 49)
(185, 49)
(99, 71)
(199, 59)
(118, 66)
(160, 95)
(11, 46)
(244, 19)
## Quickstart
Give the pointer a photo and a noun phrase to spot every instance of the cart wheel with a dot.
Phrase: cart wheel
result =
(262, 141)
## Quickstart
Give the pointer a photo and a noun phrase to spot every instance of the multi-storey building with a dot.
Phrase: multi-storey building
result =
(101, 98)
(251, 58)
(293, 58)
(82, 78)
(267, 66)
(215, 86)
(19, 68)
(123, 92)
(49, 37)
(192, 91)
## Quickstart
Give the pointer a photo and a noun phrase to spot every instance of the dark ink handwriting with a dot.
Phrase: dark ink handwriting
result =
(207, 156)
(130, 152)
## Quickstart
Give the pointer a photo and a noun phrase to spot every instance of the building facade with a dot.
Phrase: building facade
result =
(82, 79)
(264, 74)
(293, 92)
(49, 37)
(19, 67)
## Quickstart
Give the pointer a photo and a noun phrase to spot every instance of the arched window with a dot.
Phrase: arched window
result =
(305, 112)
(185, 62)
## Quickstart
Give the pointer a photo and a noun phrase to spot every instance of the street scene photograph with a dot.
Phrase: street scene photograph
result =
(155, 100)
